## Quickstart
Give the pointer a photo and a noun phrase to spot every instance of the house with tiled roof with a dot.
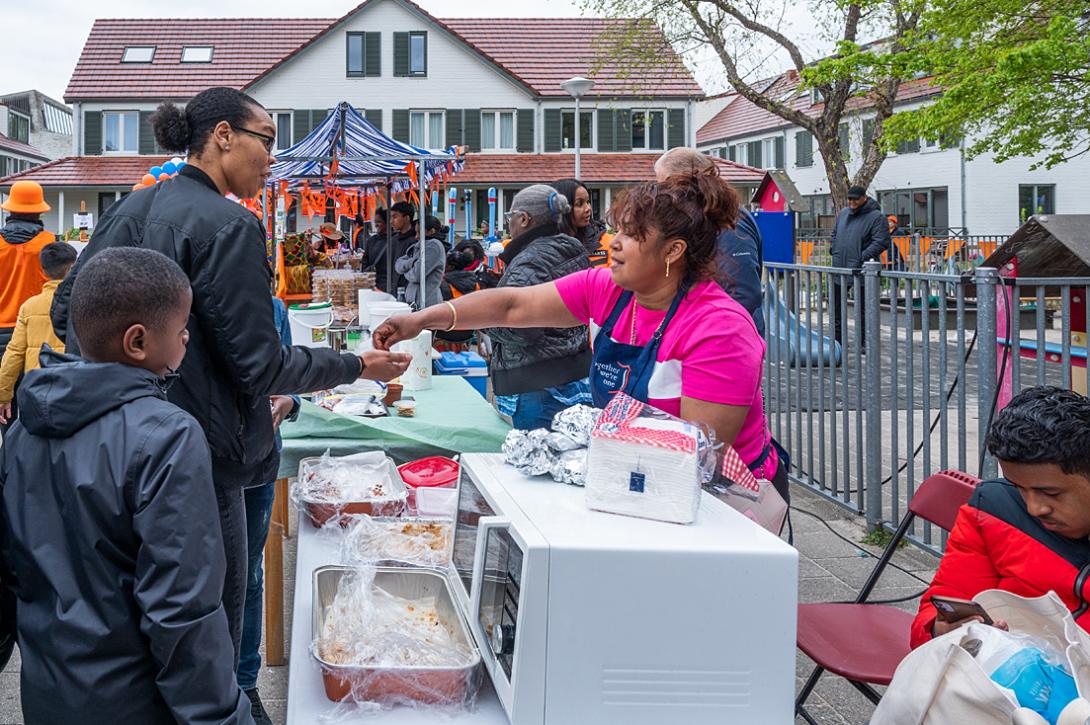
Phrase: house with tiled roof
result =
(490, 85)
(929, 186)
(34, 129)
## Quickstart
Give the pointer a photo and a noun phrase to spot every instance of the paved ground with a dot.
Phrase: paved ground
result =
(830, 569)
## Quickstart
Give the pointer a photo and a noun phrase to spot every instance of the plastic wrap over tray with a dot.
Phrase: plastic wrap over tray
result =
(418, 541)
(336, 488)
(394, 637)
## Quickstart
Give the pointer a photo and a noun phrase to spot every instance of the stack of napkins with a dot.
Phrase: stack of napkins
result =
(644, 466)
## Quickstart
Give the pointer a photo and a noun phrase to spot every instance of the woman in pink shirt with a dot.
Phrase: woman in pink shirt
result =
(662, 330)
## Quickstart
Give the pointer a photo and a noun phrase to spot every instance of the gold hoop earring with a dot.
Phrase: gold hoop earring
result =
(667, 266)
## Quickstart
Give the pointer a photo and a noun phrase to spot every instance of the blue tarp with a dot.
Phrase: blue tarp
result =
(364, 152)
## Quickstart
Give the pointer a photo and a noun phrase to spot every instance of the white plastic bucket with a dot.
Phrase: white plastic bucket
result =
(369, 297)
(378, 312)
(310, 324)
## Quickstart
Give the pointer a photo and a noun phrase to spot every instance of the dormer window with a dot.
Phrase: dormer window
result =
(138, 54)
(197, 54)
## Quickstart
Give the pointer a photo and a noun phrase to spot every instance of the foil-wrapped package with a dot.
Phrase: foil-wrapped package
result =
(571, 467)
(561, 442)
(528, 452)
(576, 422)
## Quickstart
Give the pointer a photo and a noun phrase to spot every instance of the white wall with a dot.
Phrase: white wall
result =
(457, 76)
(992, 191)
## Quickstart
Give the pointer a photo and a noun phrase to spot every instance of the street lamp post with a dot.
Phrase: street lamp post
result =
(576, 88)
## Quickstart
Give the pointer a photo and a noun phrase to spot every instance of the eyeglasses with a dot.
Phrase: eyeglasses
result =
(266, 140)
(508, 214)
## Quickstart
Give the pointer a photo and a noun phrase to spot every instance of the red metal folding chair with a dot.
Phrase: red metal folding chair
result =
(864, 643)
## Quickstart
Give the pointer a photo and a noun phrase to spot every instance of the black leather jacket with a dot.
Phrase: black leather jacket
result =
(235, 359)
(526, 360)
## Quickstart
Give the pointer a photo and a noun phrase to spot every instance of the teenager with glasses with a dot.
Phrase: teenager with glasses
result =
(235, 359)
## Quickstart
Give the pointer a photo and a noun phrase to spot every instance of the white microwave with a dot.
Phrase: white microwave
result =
(590, 617)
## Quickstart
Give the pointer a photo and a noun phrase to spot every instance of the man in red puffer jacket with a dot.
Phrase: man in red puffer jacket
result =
(1026, 533)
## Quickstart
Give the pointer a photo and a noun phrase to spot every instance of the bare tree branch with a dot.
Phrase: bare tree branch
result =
(750, 23)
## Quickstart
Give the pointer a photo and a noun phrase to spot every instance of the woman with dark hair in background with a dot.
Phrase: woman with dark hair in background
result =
(235, 359)
(588, 230)
(434, 250)
(667, 334)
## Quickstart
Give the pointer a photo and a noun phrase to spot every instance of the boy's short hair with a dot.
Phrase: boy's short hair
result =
(404, 207)
(1044, 425)
(122, 287)
(57, 258)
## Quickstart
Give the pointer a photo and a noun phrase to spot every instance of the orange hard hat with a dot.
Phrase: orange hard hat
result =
(26, 197)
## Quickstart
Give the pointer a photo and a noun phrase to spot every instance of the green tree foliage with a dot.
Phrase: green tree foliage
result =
(1015, 74)
(739, 32)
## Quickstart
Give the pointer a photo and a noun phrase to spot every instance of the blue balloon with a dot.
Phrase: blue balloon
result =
(155, 171)
(169, 168)
(181, 164)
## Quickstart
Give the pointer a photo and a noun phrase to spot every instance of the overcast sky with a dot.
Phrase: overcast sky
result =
(43, 38)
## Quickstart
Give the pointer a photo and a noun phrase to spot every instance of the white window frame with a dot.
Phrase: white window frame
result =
(423, 72)
(136, 48)
(276, 124)
(121, 131)
(428, 113)
(209, 48)
(593, 130)
(741, 152)
(768, 152)
(496, 147)
(646, 148)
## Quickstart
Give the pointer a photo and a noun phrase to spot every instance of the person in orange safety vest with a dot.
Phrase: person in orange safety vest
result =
(21, 241)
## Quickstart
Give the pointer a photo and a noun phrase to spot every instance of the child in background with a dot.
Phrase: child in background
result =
(33, 328)
(110, 528)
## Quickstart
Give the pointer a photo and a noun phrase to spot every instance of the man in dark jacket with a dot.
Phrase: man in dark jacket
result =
(110, 530)
(540, 371)
(374, 251)
(860, 234)
(235, 359)
(403, 222)
(740, 250)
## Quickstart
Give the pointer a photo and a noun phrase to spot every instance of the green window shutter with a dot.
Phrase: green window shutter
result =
(868, 133)
(92, 133)
(804, 149)
(552, 130)
(401, 54)
(622, 129)
(753, 155)
(300, 121)
(606, 133)
(146, 142)
(844, 139)
(472, 128)
(372, 54)
(675, 133)
(778, 152)
(455, 129)
(374, 117)
(525, 131)
(400, 125)
(732, 152)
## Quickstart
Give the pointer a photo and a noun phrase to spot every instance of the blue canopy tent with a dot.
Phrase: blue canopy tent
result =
(358, 154)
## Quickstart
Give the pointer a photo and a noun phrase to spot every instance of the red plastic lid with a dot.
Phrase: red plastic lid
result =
(431, 472)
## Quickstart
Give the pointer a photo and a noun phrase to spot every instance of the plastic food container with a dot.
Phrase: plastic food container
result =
(414, 541)
(405, 408)
(431, 472)
(468, 365)
(321, 512)
(455, 685)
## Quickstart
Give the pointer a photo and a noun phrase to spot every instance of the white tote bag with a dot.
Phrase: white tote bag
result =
(941, 683)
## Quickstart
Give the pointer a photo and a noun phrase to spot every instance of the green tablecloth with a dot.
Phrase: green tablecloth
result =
(450, 418)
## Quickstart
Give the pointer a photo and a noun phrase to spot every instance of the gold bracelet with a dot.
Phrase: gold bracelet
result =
(453, 316)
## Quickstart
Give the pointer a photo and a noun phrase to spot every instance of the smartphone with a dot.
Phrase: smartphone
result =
(955, 610)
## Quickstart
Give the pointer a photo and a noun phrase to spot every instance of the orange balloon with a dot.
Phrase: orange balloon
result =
(137, 186)
(163, 176)
(147, 180)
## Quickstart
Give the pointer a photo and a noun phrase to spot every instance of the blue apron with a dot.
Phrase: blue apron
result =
(620, 368)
